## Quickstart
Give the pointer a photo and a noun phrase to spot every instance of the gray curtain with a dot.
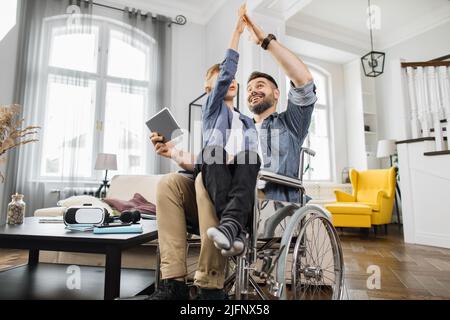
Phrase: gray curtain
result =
(22, 169)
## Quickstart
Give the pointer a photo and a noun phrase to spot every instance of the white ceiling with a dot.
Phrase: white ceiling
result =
(346, 20)
(352, 14)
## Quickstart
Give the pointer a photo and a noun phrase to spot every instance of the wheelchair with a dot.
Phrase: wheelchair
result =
(293, 250)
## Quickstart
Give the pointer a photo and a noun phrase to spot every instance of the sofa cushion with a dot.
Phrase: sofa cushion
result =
(138, 202)
(125, 187)
(82, 200)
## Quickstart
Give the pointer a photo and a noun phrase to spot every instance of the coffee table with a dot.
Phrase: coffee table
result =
(35, 236)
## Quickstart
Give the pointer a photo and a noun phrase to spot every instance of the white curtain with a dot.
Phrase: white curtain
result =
(91, 76)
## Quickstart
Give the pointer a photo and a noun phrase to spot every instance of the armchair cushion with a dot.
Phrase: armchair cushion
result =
(343, 196)
(349, 208)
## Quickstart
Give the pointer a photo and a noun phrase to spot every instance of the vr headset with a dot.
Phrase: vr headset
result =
(85, 215)
(92, 216)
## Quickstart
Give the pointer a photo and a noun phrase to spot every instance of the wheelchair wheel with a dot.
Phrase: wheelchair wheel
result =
(311, 266)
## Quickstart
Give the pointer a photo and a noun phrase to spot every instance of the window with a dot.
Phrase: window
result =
(318, 168)
(93, 101)
(8, 17)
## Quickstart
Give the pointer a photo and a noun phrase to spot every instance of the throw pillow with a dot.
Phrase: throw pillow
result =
(137, 203)
(82, 200)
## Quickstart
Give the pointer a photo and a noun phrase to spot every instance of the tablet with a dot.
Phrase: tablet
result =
(164, 124)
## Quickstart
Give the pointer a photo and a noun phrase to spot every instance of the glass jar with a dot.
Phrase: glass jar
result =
(16, 210)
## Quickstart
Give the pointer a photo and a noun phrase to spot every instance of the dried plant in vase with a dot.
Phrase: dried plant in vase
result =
(11, 133)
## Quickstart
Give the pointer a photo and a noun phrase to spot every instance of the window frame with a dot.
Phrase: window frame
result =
(328, 109)
(101, 78)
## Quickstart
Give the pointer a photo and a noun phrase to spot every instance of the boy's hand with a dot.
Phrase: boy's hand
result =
(257, 34)
(242, 10)
(240, 27)
(163, 149)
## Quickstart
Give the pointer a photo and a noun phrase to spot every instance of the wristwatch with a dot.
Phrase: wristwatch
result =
(266, 42)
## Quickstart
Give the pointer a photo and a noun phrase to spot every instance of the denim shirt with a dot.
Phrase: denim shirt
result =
(282, 137)
(217, 117)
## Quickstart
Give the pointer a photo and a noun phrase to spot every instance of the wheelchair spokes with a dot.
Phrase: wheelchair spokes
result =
(313, 266)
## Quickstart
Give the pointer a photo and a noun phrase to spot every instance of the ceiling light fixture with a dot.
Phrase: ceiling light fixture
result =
(373, 62)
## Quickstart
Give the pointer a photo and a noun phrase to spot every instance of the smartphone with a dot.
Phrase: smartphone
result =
(114, 225)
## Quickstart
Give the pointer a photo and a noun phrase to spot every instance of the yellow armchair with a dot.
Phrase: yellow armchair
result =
(370, 204)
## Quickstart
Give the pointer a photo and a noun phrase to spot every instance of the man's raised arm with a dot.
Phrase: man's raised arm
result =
(293, 67)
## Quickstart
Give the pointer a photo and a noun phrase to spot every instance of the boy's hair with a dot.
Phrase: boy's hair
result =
(258, 74)
(209, 74)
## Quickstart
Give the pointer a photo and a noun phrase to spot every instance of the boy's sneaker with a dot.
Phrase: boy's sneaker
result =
(171, 290)
(237, 248)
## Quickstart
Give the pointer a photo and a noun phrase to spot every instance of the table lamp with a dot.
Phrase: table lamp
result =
(105, 162)
(386, 148)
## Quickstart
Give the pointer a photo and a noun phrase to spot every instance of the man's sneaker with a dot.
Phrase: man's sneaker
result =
(211, 294)
(171, 290)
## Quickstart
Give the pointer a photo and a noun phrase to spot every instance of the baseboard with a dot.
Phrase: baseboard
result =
(431, 239)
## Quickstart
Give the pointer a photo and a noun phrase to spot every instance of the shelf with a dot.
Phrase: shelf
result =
(369, 113)
(368, 132)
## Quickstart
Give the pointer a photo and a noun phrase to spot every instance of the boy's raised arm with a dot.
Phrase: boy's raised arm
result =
(227, 73)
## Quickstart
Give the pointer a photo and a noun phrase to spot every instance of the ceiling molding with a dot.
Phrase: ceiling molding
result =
(284, 9)
(421, 25)
(311, 27)
(314, 28)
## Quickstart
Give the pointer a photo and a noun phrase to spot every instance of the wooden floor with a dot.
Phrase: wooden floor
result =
(407, 271)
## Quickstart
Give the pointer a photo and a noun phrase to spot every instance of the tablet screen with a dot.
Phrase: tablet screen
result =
(165, 125)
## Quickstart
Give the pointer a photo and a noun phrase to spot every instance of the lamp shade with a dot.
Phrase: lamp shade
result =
(386, 148)
(106, 162)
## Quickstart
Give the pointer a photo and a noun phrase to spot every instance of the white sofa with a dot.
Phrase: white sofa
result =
(123, 188)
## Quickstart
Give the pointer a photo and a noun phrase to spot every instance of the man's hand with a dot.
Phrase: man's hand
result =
(163, 149)
(257, 34)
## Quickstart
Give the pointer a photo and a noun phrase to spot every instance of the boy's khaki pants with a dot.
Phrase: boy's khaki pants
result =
(179, 199)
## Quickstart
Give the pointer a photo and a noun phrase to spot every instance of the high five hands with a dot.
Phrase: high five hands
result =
(256, 33)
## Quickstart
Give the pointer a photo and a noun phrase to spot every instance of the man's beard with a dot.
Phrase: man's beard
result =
(262, 107)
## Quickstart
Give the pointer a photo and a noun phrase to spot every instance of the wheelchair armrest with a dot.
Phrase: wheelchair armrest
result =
(280, 179)
(308, 151)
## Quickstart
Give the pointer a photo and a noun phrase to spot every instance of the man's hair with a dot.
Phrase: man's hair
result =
(258, 74)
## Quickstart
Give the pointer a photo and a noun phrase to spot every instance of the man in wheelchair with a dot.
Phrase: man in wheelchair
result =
(183, 202)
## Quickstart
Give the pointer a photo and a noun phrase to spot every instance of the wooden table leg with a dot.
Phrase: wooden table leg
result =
(112, 273)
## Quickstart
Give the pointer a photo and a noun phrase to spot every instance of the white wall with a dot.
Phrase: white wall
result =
(187, 75)
(427, 46)
(188, 68)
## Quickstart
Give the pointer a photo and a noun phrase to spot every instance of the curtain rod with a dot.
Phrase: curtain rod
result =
(179, 19)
